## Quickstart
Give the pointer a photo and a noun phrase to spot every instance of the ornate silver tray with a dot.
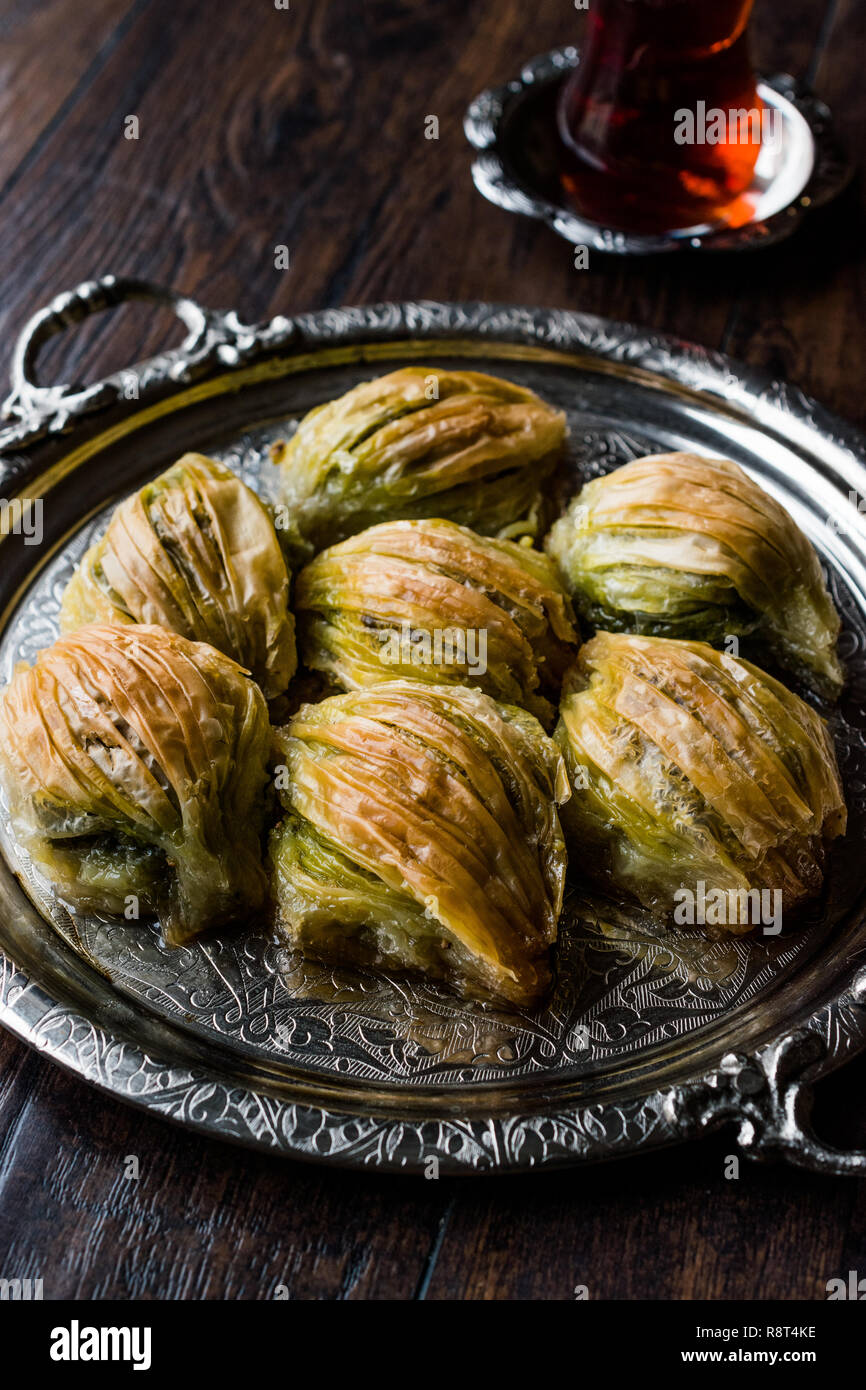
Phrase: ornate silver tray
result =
(650, 1037)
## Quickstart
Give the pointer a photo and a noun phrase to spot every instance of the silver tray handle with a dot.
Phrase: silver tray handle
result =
(212, 335)
(770, 1097)
(783, 1129)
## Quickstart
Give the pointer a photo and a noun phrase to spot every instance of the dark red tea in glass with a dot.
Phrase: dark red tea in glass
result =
(626, 163)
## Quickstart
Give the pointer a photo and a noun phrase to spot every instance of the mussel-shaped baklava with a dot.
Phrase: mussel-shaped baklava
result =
(681, 546)
(420, 833)
(419, 442)
(196, 552)
(135, 766)
(699, 782)
(435, 601)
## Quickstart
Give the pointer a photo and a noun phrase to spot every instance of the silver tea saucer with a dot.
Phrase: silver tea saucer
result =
(514, 130)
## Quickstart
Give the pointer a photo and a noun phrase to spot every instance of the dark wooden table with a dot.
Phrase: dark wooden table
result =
(304, 127)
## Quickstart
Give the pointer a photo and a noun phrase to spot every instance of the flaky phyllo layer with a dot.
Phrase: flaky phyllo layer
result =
(434, 601)
(420, 832)
(692, 768)
(135, 764)
(675, 545)
(419, 442)
(196, 552)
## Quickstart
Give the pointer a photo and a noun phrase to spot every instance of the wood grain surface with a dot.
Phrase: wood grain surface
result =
(304, 127)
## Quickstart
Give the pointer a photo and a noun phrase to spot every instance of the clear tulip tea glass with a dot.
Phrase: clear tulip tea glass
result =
(639, 117)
